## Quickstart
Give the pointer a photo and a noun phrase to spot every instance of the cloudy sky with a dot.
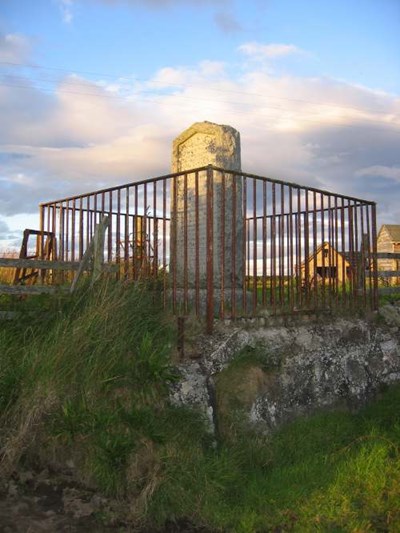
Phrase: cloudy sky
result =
(93, 92)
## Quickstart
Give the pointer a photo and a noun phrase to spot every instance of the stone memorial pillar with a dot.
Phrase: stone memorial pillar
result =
(205, 143)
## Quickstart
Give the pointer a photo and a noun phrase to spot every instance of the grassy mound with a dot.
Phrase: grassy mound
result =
(85, 384)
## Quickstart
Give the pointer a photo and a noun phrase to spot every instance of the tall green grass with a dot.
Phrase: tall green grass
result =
(86, 371)
(86, 384)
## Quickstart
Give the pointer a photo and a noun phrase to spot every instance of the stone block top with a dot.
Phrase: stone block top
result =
(206, 143)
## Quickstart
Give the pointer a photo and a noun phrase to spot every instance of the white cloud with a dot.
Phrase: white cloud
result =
(380, 171)
(260, 51)
(317, 131)
(14, 48)
(66, 8)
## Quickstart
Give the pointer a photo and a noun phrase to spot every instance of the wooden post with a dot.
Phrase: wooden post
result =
(95, 250)
(98, 250)
(22, 254)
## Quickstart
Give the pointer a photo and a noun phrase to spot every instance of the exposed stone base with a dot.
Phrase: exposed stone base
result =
(306, 367)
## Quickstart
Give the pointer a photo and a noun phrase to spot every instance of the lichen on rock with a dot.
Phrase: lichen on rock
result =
(293, 371)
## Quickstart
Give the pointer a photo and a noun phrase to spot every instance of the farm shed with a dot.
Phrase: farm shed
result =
(389, 241)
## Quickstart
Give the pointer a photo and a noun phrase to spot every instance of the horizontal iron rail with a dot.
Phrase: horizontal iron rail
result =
(297, 213)
(100, 212)
(201, 169)
(124, 186)
(295, 185)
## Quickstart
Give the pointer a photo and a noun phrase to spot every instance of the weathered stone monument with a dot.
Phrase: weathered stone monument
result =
(205, 143)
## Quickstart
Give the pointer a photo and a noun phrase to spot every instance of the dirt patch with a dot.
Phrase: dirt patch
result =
(45, 502)
(49, 502)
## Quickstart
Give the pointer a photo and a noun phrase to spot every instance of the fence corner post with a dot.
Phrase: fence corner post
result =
(210, 250)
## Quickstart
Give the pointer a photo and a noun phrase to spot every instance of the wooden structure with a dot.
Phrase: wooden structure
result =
(92, 261)
(45, 248)
(326, 263)
(389, 241)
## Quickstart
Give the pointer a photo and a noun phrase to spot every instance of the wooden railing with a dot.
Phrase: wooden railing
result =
(92, 261)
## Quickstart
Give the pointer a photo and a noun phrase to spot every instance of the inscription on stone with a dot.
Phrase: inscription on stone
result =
(205, 143)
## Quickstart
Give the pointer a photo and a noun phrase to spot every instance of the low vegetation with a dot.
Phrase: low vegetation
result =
(84, 381)
(7, 274)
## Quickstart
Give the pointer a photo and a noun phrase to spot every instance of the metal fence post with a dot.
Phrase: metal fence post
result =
(210, 250)
(374, 257)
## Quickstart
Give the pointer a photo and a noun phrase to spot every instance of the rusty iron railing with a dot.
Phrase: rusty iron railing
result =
(227, 244)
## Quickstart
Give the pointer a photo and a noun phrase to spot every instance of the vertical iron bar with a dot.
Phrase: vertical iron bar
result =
(51, 243)
(118, 234)
(290, 245)
(145, 244)
(330, 241)
(137, 237)
(370, 258)
(337, 280)
(126, 234)
(73, 230)
(185, 243)
(109, 247)
(87, 223)
(364, 252)
(307, 249)
(281, 244)
(314, 222)
(222, 265)
(210, 251)
(299, 256)
(244, 263)
(254, 246)
(103, 204)
(164, 233)
(264, 241)
(40, 240)
(234, 246)
(96, 217)
(322, 211)
(155, 231)
(173, 260)
(81, 230)
(357, 253)
(197, 254)
(273, 250)
(67, 233)
(375, 262)
(61, 232)
(343, 238)
(352, 258)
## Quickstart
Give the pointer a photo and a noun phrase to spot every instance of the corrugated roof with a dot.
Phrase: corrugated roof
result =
(393, 230)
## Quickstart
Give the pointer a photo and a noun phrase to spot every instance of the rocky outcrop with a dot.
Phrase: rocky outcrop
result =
(305, 367)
